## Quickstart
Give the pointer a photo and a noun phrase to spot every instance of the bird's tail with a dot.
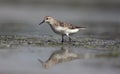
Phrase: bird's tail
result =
(82, 28)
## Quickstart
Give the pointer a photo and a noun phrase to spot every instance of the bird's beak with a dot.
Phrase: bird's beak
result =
(42, 22)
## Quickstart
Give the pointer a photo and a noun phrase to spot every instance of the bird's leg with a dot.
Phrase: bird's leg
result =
(69, 37)
(62, 38)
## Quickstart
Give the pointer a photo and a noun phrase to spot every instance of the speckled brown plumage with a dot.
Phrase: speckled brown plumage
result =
(61, 27)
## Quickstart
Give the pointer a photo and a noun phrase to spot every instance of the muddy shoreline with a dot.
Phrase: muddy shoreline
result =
(7, 41)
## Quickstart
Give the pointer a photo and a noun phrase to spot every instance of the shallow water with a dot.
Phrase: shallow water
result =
(20, 54)
(25, 60)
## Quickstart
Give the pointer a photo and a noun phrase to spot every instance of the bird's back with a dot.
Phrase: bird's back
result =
(70, 26)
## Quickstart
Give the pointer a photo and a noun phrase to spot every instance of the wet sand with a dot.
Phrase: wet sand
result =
(9, 41)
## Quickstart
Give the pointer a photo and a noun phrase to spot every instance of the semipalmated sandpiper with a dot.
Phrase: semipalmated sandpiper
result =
(62, 28)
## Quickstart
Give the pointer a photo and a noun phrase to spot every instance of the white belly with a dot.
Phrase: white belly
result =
(72, 30)
(65, 30)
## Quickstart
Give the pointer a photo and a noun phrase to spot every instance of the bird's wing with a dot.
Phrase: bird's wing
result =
(70, 26)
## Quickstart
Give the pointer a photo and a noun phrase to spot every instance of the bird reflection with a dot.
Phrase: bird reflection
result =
(59, 56)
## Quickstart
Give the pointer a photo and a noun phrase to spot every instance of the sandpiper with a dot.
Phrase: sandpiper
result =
(62, 28)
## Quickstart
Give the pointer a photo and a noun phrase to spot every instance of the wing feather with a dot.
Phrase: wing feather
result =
(70, 26)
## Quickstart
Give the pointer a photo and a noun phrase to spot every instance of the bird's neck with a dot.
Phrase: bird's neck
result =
(54, 23)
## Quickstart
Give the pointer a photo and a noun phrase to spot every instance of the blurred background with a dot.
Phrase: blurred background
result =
(21, 17)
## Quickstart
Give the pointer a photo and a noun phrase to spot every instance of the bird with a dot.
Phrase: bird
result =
(62, 28)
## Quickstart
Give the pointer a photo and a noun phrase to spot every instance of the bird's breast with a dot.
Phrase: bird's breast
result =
(57, 29)
(63, 30)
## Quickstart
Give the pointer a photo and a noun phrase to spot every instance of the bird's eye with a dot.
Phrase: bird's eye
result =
(46, 18)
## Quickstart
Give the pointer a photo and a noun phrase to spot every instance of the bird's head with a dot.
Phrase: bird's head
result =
(47, 19)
